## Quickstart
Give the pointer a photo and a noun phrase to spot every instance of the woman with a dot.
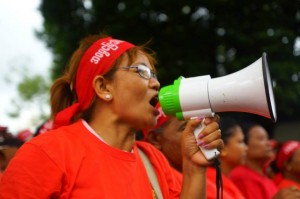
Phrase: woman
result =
(235, 148)
(166, 137)
(287, 164)
(250, 177)
(108, 92)
(232, 155)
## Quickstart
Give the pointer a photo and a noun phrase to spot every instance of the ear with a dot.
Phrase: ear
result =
(102, 88)
(154, 138)
(224, 152)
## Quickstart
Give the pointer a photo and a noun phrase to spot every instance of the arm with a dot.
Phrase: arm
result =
(194, 162)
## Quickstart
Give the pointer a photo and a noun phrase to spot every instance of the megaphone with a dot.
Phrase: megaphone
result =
(249, 90)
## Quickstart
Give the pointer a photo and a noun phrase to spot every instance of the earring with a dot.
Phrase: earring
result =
(107, 96)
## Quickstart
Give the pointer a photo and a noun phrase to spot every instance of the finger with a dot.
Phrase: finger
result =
(192, 125)
(216, 144)
(209, 129)
(209, 120)
(215, 135)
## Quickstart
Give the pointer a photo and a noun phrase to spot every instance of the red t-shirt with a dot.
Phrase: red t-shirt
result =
(230, 191)
(71, 162)
(178, 177)
(284, 183)
(210, 184)
(252, 184)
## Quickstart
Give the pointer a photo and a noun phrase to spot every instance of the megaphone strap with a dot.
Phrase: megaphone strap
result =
(219, 181)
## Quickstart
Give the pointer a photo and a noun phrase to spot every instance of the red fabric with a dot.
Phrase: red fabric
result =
(96, 61)
(161, 119)
(277, 178)
(25, 135)
(178, 177)
(47, 126)
(252, 184)
(70, 162)
(230, 191)
(284, 183)
(211, 190)
(285, 152)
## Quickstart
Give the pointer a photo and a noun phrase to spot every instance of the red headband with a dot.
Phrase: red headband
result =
(286, 151)
(97, 60)
(161, 119)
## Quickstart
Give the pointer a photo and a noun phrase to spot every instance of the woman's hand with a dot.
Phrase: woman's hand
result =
(194, 162)
(209, 138)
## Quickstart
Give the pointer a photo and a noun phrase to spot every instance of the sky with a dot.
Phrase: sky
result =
(21, 52)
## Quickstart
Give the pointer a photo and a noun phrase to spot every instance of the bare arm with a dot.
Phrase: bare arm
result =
(194, 162)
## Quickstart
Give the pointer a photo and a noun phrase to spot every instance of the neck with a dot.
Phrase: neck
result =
(256, 165)
(116, 135)
(226, 168)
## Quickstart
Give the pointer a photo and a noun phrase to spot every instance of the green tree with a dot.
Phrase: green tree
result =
(32, 90)
(190, 37)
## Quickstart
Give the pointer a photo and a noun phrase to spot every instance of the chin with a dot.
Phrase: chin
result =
(151, 124)
(144, 124)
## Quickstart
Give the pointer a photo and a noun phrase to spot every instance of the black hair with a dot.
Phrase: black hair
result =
(13, 142)
(227, 125)
(246, 126)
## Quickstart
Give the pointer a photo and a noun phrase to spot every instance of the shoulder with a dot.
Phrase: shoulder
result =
(149, 150)
(56, 143)
(64, 134)
(170, 183)
(155, 156)
(240, 171)
(146, 146)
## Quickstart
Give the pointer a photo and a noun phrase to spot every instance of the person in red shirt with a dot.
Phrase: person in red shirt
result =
(166, 137)
(107, 93)
(287, 163)
(9, 145)
(250, 178)
(232, 155)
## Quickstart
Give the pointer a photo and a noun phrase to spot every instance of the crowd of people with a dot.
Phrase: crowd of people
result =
(253, 166)
(90, 149)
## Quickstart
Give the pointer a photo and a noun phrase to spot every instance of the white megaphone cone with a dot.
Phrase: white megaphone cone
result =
(249, 90)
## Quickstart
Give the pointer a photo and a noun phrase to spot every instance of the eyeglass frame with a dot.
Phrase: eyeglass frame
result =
(142, 68)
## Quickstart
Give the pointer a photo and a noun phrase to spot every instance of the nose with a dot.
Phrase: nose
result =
(154, 83)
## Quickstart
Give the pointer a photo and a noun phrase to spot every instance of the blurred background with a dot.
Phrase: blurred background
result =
(191, 38)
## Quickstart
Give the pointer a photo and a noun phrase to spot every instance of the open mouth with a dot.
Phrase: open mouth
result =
(154, 101)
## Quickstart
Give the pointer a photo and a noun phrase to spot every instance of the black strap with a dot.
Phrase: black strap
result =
(219, 181)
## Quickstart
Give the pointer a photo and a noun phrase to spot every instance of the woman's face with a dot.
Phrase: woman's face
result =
(235, 148)
(259, 146)
(293, 166)
(170, 141)
(134, 97)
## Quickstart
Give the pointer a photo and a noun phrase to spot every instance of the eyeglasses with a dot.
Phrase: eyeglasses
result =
(143, 71)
